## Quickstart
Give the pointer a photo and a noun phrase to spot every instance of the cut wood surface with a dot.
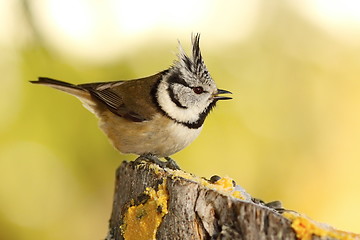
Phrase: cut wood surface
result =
(151, 202)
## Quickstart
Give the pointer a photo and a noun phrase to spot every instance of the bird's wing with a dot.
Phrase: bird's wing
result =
(132, 102)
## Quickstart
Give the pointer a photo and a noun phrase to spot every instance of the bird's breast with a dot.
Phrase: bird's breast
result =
(160, 135)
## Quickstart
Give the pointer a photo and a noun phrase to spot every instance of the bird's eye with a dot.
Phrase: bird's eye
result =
(198, 90)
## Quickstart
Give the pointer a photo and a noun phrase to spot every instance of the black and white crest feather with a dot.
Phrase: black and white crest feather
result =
(194, 65)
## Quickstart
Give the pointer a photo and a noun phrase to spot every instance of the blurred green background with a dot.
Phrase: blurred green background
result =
(291, 133)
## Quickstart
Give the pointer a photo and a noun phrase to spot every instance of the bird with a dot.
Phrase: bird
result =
(155, 116)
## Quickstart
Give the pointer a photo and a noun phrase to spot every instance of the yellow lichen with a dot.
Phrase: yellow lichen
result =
(224, 185)
(305, 227)
(142, 221)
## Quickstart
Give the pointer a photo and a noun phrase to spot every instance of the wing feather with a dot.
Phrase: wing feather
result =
(124, 101)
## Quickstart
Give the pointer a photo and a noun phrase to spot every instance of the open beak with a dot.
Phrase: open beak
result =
(221, 91)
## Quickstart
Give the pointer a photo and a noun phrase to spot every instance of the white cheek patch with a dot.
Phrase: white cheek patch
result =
(186, 115)
(183, 95)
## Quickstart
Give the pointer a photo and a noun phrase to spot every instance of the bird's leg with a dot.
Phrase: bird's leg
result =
(170, 163)
(150, 158)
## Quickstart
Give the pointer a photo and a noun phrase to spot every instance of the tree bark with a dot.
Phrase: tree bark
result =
(158, 203)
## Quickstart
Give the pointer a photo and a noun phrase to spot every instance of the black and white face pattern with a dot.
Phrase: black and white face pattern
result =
(186, 92)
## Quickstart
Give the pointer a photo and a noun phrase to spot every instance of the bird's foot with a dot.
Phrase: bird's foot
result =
(170, 163)
(150, 158)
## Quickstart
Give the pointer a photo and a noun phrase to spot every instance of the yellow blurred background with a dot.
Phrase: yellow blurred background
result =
(291, 133)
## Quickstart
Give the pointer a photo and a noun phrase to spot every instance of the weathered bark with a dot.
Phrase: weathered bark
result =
(194, 211)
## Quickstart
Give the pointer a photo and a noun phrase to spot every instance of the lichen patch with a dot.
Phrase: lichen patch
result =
(142, 221)
(305, 228)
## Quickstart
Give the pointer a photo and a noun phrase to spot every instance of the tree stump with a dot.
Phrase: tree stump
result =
(151, 202)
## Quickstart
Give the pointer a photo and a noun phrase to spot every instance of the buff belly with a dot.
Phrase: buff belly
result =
(160, 136)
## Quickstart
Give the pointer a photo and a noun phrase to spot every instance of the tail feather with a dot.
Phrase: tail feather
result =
(63, 86)
(81, 93)
(55, 83)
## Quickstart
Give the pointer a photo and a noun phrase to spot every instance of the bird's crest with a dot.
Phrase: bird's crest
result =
(195, 65)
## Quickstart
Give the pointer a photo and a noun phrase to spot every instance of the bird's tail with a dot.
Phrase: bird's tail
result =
(75, 90)
(63, 86)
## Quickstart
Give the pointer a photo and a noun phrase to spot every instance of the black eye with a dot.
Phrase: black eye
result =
(198, 90)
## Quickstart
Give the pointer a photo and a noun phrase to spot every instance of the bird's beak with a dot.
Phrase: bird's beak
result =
(221, 91)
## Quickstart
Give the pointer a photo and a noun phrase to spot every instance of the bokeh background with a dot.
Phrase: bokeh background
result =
(291, 133)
